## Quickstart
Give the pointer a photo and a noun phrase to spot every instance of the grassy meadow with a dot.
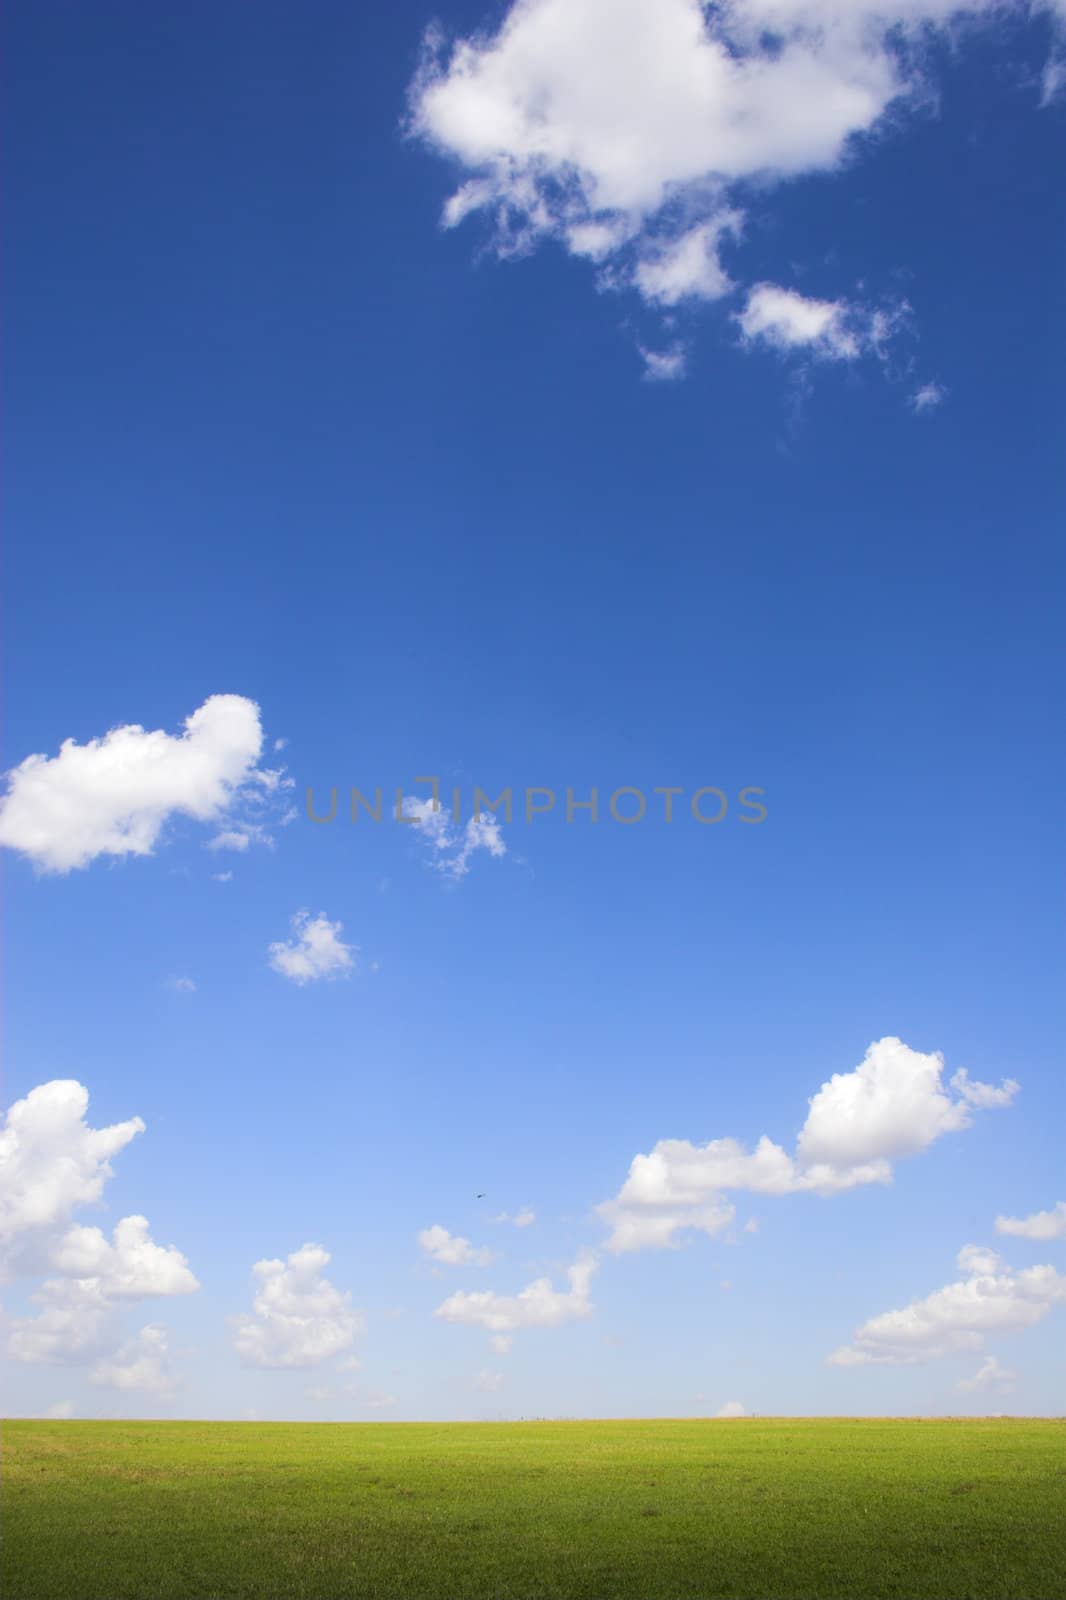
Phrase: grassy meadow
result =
(520, 1511)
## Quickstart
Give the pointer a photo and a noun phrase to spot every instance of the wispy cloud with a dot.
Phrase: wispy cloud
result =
(928, 397)
(451, 847)
(991, 1374)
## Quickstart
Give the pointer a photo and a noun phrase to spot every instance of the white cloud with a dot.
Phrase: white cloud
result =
(378, 1400)
(114, 795)
(1053, 81)
(928, 397)
(663, 366)
(76, 1322)
(61, 1411)
(989, 1375)
(687, 267)
(316, 950)
(299, 1319)
(222, 877)
(990, 1299)
(538, 1305)
(182, 985)
(501, 1343)
(521, 1219)
(830, 330)
(78, 1315)
(141, 1364)
(597, 114)
(231, 839)
(451, 1250)
(976, 1260)
(1041, 1225)
(129, 1267)
(893, 1105)
(985, 1096)
(52, 1163)
(631, 131)
(489, 1382)
(451, 846)
(78, 1307)
(733, 1408)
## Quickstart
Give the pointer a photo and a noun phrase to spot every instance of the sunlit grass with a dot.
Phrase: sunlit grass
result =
(648, 1510)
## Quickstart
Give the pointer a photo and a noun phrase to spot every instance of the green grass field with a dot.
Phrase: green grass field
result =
(186, 1511)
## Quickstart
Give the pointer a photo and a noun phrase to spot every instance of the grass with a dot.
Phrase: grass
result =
(526, 1511)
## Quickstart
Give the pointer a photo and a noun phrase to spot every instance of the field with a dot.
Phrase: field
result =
(519, 1511)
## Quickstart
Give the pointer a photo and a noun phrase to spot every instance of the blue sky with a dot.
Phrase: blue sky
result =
(718, 450)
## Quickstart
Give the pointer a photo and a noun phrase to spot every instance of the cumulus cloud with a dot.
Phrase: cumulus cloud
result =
(733, 1408)
(52, 1163)
(1041, 1225)
(141, 1364)
(978, 1261)
(451, 1250)
(450, 846)
(114, 795)
(489, 1382)
(79, 1312)
(61, 1411)
(630, 132)
(129, 1266)
(76, 1321)
(893, 1105)
(299, 1319)
(538, 1305)
(991, 1374)
(315, 951)
(990, 1298)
